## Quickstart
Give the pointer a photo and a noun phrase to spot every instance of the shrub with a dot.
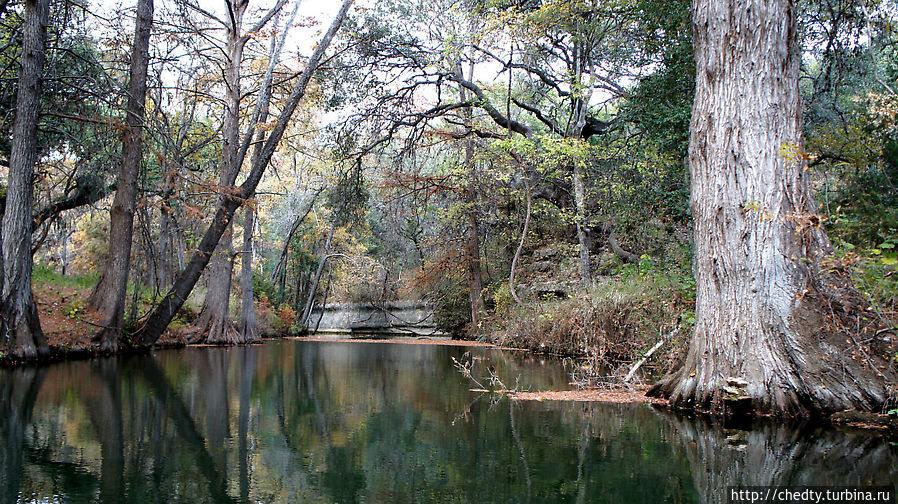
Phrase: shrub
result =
(286, 318)
(611, 324)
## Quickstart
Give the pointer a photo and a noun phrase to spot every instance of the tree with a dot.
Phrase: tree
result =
(214, 324)
(769, 320)
(109, 295)
(249, 328)
(20, 325)
(560, 60)
(165, 311)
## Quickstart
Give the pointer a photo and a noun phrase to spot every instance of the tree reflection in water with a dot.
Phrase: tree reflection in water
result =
(333, 422)
(776, 454)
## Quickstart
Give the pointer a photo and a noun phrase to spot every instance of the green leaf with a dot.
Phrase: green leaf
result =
(889, 261)
(875, 251)
(887, 245)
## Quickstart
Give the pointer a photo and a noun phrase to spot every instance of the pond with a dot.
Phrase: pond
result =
(302, 421)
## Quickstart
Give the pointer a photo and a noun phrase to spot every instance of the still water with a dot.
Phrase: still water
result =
(295, 421)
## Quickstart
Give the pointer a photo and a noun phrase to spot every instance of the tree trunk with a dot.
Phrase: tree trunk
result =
(214, 323)
(517, 252)
(313, 286)
(472, 248)
(472, 240)
(767, 319)
(611, 239)
(166, 310)
(166, 246)
(580, 104)
(109, 295)
(20, 325)
(582, 236)
(249, 328)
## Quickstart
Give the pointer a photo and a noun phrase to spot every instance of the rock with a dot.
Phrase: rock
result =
(734, 390)
(542, 266)
(559, 290)
(737, 382)
(606, 262)
(543, 253)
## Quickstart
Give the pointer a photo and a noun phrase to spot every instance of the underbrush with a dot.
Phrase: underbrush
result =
(44, 274)
(611, 324)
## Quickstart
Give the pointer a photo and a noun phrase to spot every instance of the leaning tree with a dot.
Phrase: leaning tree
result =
(771, 311)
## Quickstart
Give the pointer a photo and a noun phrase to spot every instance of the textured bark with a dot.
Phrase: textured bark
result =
(472, 238)
(20, 326)
(767, 320)
(472, 249)
(109, 295)
(166, 310)
(214, 322)
(249, 328)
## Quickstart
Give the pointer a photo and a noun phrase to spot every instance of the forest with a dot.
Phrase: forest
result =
(573, 177)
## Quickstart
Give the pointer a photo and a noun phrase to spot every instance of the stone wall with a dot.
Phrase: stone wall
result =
(396, 318)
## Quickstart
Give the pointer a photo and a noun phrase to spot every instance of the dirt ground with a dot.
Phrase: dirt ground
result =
(66, 319)
(635, 395)
(69, 323)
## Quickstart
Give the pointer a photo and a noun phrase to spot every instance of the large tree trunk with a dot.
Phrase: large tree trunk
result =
(767, 320)
(109, 295)
(472, 244)
(166, 310)
(249, 328)
(472, 237)
(214, 323)
(20, 325)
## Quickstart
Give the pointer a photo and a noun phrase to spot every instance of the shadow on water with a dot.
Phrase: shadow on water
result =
(346, 422)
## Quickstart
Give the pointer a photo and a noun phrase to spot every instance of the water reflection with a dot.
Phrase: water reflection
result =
(768, 453)
(335, 422)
